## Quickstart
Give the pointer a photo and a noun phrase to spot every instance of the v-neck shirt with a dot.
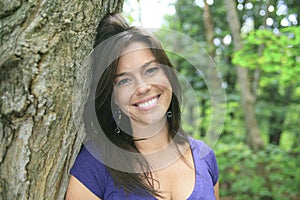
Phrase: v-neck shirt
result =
(92, 173)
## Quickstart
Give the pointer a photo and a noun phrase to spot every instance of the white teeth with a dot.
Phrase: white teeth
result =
(148, 103)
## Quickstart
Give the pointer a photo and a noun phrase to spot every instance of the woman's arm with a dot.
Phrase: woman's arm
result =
(216, 188)
(77, 191)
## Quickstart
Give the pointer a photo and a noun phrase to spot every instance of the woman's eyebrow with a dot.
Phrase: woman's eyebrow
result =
(143, 66)
(121, 74)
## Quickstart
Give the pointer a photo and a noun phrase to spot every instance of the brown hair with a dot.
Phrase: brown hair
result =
(113, 35)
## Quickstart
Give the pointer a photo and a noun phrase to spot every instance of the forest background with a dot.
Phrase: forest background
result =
(253, 43)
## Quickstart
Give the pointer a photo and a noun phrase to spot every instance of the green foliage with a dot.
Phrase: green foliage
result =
(277, 58)
(274, 54)
(234, 127)
(269, 173)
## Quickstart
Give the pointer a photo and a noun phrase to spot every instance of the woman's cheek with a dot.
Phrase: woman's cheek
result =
(122, 96)
(163, 83)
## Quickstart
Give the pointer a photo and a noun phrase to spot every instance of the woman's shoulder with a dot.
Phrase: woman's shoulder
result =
(205, 158)
(200, 147)
(203, 152)
(88, 156)
(90, 171)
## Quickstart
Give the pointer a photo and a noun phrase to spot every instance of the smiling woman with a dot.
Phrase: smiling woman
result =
(136, 148)
(142, 90)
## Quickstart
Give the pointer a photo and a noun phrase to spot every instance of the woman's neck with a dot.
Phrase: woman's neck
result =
(151, 138)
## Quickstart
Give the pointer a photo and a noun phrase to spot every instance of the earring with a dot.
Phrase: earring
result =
(117, 129)
(169, 114)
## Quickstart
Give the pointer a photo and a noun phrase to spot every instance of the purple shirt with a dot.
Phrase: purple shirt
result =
(94, 175)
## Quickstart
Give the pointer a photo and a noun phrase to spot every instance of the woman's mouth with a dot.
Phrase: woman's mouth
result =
(146, 105)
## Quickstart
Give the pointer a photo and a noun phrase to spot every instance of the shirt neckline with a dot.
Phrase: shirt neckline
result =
(193, 147)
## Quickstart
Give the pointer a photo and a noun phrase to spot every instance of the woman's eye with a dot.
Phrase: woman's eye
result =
(123, 82)
(151, 70)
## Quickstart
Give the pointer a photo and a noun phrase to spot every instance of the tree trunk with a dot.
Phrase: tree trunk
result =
(209, 35)
(248, 99)
(276, 123)
(43, 45)
(209, 29)
(278, 116)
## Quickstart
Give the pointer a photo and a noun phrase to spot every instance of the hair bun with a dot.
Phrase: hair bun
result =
(111, 24)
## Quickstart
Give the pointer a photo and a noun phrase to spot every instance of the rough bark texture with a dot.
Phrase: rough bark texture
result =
(42, 45)
(248, 99)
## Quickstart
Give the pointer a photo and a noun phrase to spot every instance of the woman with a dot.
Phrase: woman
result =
(138, 151)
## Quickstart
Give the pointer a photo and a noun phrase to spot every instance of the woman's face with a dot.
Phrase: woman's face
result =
(141, 88)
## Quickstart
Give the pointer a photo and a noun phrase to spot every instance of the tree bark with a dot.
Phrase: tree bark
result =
(209, 29)
(42, 45)
(248, 99)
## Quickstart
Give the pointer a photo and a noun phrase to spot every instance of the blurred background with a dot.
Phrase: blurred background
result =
(256, 47)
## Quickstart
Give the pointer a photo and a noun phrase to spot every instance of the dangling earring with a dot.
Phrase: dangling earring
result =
(169, 114)
(117, 129)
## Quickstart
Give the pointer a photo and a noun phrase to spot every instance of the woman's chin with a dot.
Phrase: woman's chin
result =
(150, 118)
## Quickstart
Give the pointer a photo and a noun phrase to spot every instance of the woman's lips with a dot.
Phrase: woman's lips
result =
(147, 104)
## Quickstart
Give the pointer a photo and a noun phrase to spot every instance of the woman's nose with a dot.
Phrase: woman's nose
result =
(143, 89)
